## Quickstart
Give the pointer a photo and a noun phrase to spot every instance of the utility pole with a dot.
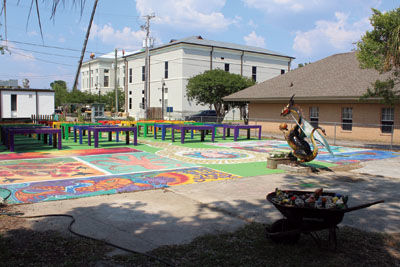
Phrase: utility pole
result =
(3, 48)
(115, 82)
(162, 97)
(84, 45)
(146, 27)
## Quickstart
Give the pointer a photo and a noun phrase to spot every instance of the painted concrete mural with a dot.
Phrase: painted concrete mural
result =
(84, 187)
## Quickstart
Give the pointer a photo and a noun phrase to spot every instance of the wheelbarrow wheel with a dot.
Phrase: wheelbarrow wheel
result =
(283, 232)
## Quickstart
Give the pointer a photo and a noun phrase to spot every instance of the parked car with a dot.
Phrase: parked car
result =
(203, 116)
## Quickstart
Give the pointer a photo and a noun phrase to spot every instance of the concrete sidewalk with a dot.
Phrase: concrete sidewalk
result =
(148, 219)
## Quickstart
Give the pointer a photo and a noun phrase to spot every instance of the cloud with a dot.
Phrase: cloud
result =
(187, 14)
(125, 38)
(254, 40)
(252, 24)
(338, 35)
(61, 39)
(32, 33)
(288, 7)
(279, 5)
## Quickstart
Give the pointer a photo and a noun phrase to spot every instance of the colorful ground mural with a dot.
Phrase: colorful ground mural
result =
(199, 155)
(18, 171)
(111, 184)
(357, 156)
(133, 162)
(66, 153)
(54, 175)
(214, 154)
(342, 155)
(274, 146)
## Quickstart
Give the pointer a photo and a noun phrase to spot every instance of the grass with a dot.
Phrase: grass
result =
(244, 169)
(247, 246)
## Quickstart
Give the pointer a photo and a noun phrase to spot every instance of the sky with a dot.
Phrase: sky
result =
(308, 30)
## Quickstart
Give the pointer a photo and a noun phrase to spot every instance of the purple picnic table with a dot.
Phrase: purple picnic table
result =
(82, 128)
(186, 127)
(44, 131)
(236, 129)
(97, 130)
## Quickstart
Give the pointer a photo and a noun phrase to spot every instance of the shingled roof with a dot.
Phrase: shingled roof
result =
(335, 78)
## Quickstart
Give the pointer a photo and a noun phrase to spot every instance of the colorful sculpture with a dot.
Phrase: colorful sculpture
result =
(296, 136)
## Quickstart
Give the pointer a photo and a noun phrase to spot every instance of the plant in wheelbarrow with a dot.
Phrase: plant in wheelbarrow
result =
(308, 212)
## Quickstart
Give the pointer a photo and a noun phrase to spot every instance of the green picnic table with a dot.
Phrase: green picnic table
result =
(66, 126)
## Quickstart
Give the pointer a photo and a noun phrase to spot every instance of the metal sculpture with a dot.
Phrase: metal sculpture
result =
(296, 136)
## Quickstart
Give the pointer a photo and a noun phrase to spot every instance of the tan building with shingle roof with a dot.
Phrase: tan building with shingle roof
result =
(328, 92)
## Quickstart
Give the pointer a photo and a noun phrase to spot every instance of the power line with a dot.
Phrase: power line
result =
(43, 60)
(50, 54)
(34, 76)
(56, 47)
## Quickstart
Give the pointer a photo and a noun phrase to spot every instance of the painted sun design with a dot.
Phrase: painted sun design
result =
(213, 154)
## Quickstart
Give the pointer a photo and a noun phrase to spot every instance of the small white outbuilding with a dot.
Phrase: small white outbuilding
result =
(21, 103)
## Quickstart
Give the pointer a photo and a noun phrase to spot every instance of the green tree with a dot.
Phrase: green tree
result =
(210, 87)
(109, 100)
(300, 65)
(60, 92)
(380, 49)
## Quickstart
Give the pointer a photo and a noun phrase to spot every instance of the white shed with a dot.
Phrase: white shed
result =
(21, 103)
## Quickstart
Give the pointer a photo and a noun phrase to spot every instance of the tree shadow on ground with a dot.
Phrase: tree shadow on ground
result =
(361, 189)
(147, 224)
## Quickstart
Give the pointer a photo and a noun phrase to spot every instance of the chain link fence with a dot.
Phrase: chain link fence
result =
(381, 136)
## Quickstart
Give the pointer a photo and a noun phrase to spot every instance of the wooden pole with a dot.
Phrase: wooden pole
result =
(84, 45)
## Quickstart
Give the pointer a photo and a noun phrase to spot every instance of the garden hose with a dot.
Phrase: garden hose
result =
(78, 234)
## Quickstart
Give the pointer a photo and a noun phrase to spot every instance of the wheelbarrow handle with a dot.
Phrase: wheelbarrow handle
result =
(363, 206)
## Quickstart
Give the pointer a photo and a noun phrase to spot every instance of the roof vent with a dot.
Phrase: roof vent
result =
(199, 37)
(172, 40)
(291, 84)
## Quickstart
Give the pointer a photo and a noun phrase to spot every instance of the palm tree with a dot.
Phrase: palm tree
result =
(55, 4)
(35, 4)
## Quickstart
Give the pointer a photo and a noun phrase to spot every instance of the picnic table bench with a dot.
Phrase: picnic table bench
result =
(82, 128)
(110, 129)
(192, 128)
(238, 127)
(56, 133)
(66, 127)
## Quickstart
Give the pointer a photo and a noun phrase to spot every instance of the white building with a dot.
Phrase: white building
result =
(23, 103)
(174, 63)
(97, 75)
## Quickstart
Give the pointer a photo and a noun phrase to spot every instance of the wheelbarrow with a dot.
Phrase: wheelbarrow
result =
(307, 220)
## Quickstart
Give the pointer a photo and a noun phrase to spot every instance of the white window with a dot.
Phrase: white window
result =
(314, 116)
(13, 102)
(347, 119)
(387, 120)
(254, 73)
